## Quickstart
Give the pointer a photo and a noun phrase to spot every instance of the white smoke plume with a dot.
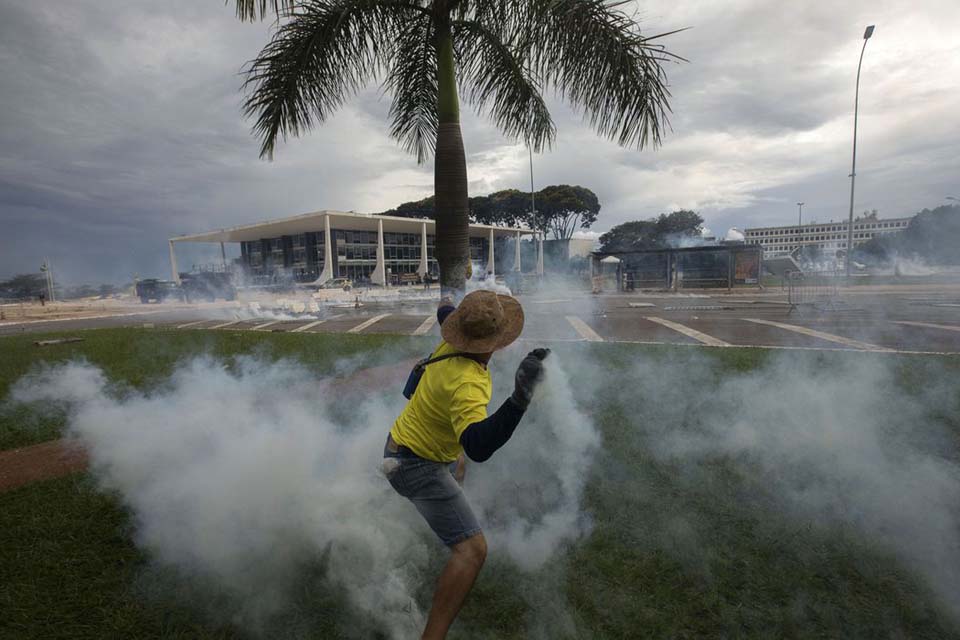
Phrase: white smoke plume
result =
(839, 444)
(241, 477)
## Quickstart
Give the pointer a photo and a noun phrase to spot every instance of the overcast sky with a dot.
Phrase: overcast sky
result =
(120, 126)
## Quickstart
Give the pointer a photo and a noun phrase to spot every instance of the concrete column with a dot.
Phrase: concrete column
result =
(516, 257)
(173, 264)
(490, 256)
(424, 264)
(540, 254)
(379, 275)
(327, 272)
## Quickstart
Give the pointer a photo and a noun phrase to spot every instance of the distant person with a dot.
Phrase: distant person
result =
(43, 299)
(447, 417)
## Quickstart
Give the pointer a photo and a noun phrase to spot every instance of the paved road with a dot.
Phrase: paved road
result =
(924, 321)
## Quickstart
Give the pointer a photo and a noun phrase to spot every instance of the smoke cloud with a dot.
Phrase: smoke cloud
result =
(241, 478)
(838, 442)
(245, 477)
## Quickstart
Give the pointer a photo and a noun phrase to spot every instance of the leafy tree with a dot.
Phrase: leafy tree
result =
(509, 208)
(560, 208)
(563, 209)
(655, 233)
(24, 285)
(504, 54)
(932, 236)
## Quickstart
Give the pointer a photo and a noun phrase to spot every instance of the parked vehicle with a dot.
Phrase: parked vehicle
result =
(158, 290)
(207, 285)
(338, 283)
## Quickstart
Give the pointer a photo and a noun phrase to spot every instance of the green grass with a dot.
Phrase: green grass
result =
(671, 555)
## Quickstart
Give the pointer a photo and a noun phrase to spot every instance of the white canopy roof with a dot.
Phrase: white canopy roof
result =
(338, 219)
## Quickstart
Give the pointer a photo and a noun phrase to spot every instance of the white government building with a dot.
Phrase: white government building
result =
(323, 245)
(830, 237)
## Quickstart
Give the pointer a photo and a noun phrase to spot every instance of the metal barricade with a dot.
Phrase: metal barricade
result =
(817, 289)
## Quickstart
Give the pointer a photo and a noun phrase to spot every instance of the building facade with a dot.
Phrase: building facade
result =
(317, 247)
(830, 237)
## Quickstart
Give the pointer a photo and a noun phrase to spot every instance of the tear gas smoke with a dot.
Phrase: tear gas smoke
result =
(849, 444)
(241, 477)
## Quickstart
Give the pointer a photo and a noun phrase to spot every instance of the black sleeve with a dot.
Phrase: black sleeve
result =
(481, 439)
(443, 312)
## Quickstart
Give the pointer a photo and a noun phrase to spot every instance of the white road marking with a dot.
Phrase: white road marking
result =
(425, 326)
(260, 327)
(584, 329)
(226, 324)
(699, 336)
(309, 325)
(813, 333)
(363, 325)
(928, 325)
(190, 324)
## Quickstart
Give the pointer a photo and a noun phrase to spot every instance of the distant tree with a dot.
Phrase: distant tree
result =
(638, 234)
(24, 285)
(563, 209)
(655, 233)
(933, 236)
(416, 209)
(510, 207)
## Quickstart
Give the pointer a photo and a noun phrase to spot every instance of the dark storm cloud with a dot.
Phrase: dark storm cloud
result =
(121, 127)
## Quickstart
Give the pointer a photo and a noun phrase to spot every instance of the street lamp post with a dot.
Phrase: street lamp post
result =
(799, 226)
(853, 168)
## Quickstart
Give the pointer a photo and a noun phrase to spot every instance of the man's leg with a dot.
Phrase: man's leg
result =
(454, 583)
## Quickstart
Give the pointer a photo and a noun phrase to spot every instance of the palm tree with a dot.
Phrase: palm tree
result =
(503, 53)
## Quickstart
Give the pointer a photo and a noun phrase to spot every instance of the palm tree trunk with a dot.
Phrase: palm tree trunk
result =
(450, 171)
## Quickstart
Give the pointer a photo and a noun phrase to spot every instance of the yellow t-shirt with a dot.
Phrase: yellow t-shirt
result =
(452, 395)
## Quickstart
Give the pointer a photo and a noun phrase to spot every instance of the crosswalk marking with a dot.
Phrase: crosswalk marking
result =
(226, 324)
(813, 333)
(425, 326)
(699, 336)
(928, 325)
(584, 329)
(309, 325)
(363, 325)
(260, 327)
(190, 324)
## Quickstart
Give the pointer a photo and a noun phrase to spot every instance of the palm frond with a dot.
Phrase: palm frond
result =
(253, 10)
(413, 82)
(595, 56)
(324, 53)
(501, 85)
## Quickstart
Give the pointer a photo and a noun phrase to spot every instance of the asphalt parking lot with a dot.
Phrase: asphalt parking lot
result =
(891, 319)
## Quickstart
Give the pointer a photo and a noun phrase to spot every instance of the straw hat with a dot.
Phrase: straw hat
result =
(485, 321)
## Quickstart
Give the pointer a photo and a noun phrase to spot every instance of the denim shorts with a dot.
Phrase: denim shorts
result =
(433, 490)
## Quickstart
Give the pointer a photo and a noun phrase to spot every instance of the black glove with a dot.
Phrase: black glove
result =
(529, 375)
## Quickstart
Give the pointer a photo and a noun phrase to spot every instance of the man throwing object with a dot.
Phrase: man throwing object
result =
(447, 417)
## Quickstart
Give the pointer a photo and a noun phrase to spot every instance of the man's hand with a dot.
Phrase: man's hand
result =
(461, 471)
(529, 375)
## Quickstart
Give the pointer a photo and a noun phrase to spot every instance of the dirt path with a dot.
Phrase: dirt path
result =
(40, 462)
(49, 460)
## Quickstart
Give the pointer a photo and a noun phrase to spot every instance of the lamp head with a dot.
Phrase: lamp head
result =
(868, 32)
